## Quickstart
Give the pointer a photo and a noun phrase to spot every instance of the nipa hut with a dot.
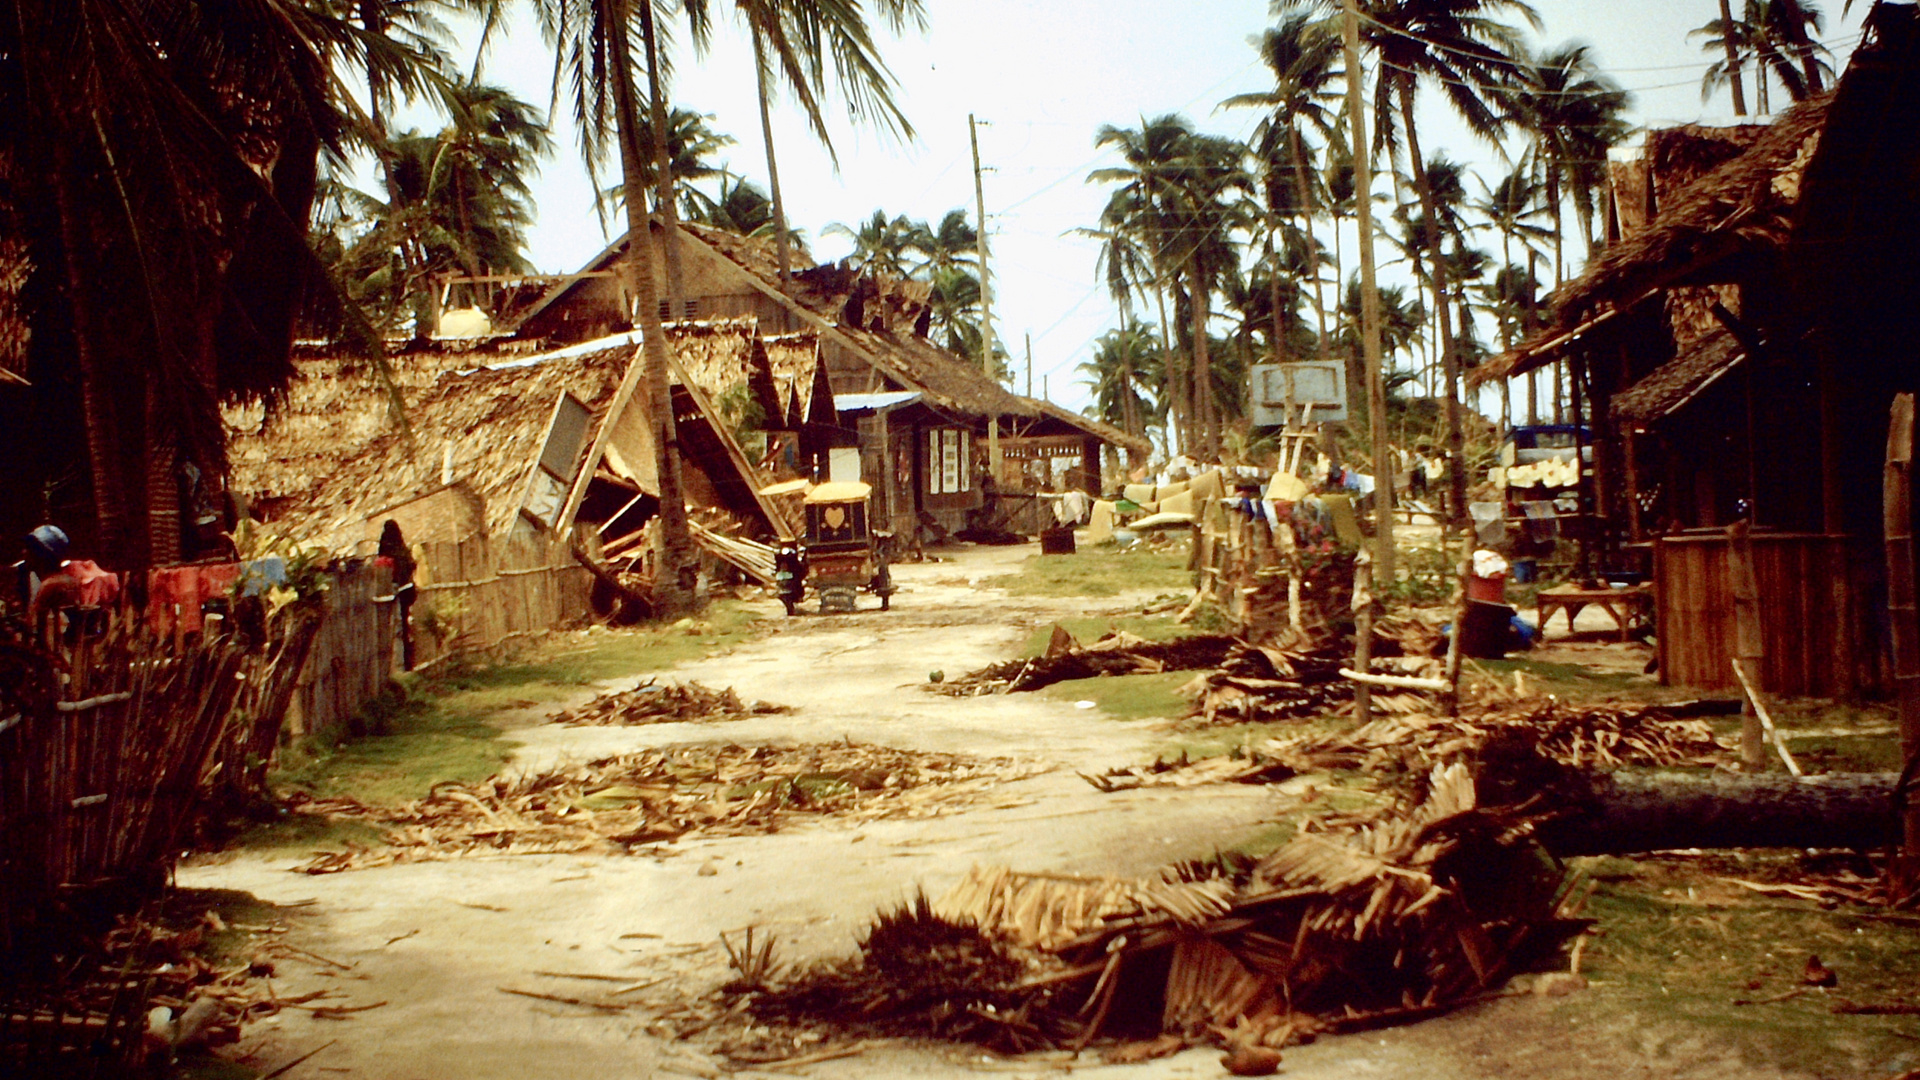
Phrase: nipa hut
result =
(943, 444)
(1734, 350)
(490, 442)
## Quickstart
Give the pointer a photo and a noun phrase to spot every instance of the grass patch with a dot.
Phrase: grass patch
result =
(1088, 630)
(1102, 571)
(440, 726)
(1578, 682)
(1128, 697)
(1679, 943)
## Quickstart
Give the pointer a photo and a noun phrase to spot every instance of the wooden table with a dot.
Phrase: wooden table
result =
(1623, 604)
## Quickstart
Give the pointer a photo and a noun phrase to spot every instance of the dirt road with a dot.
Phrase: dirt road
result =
(438, 942)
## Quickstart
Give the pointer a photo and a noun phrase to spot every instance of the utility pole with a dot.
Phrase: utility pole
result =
(1029, 364)
(1382, 569)
(986, 298)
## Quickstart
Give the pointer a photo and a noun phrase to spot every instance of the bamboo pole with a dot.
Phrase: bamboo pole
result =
(1362, 633)
(1904, 621)
(1749, 644)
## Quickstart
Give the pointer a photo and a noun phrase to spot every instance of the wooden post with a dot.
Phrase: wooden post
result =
(1369, 298)
(1903, 620)
(1363, 633)
(1450, 698)
(1749, 645)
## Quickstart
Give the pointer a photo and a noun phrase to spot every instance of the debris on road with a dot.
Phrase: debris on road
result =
(1491, 737)
(654, 702)
(617, 804)
(1114, 654)
(1356, 922)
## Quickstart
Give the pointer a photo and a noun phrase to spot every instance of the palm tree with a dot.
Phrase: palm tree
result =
(1777, 35)
(1305, 60)
(1510, 208)
(592, 41)
(739, 207)
(797, 40)
(1173, 201)
(691, 144)
(455, 203)
(953, 244)
(1123, 361)
(1464, 47)
(160, 164)
(880, 245)
(1574, 116)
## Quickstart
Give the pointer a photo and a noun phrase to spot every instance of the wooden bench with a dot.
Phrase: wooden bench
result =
(1627, 606)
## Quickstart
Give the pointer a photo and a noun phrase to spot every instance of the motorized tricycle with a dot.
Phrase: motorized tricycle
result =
(840, 553)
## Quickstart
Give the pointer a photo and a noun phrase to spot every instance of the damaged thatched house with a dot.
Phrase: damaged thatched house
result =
(495, 442)
(1735, 349)
(925, 421)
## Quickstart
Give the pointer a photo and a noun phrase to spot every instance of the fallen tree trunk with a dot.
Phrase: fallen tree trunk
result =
(1633, 810)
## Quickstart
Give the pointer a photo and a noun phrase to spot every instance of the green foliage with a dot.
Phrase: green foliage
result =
(1682, 943)
(1128, 697)
(1424, 575)
(1096, 572)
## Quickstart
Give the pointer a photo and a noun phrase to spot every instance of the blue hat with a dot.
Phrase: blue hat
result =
(49, 543)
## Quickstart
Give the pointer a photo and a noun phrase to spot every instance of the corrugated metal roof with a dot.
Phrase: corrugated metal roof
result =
(847, 403)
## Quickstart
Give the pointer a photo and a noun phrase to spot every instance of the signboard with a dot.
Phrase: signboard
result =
(1309, 391)
(948, 466)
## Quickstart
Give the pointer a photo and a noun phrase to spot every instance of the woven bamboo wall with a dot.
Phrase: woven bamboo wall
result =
(480, 592)
(1806, 615)
(352, 657)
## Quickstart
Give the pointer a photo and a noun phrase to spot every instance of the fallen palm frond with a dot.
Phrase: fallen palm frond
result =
(1259, 683)
(1355, 922)
(1294, 676)
(1598, 736)
(1114, 654)
(661, 703)
(1497, 740)
(616, 804)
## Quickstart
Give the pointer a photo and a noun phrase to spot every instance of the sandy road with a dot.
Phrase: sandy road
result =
(437, 941)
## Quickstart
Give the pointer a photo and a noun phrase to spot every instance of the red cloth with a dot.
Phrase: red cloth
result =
(97, 587)
(175, 593)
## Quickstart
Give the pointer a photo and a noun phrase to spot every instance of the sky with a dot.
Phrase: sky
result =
(1042, 77)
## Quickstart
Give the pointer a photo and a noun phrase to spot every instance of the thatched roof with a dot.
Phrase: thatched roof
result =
(1741, 206)
(1675, 384)
(1103, 431)
(333, 456)
(799, 376)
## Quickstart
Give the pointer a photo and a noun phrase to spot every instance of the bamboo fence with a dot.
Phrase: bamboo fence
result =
(478, 593)
(106, 747)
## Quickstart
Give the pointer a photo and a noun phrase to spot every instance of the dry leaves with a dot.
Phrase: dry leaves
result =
(616, 804)
(662, 703)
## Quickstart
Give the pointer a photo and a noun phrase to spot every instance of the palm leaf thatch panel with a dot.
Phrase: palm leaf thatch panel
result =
(1673, 385)
(726, 359)
(1704, 232)
(481, 428)
(799, 378)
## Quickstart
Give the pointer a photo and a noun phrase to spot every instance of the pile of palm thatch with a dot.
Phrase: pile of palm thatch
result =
(618, 804)
(1292, 676)
(1355, 922)
(654, 702)
(1117, 653)
(1504, 743)
(1581, 736)
(1258, 683)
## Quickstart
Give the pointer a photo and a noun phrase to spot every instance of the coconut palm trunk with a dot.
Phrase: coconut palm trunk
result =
(662, 165)
(773, 167)
(1449, 362)
(1206, 416)
(674, 586)
(1733, 59)
(1313, 241)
